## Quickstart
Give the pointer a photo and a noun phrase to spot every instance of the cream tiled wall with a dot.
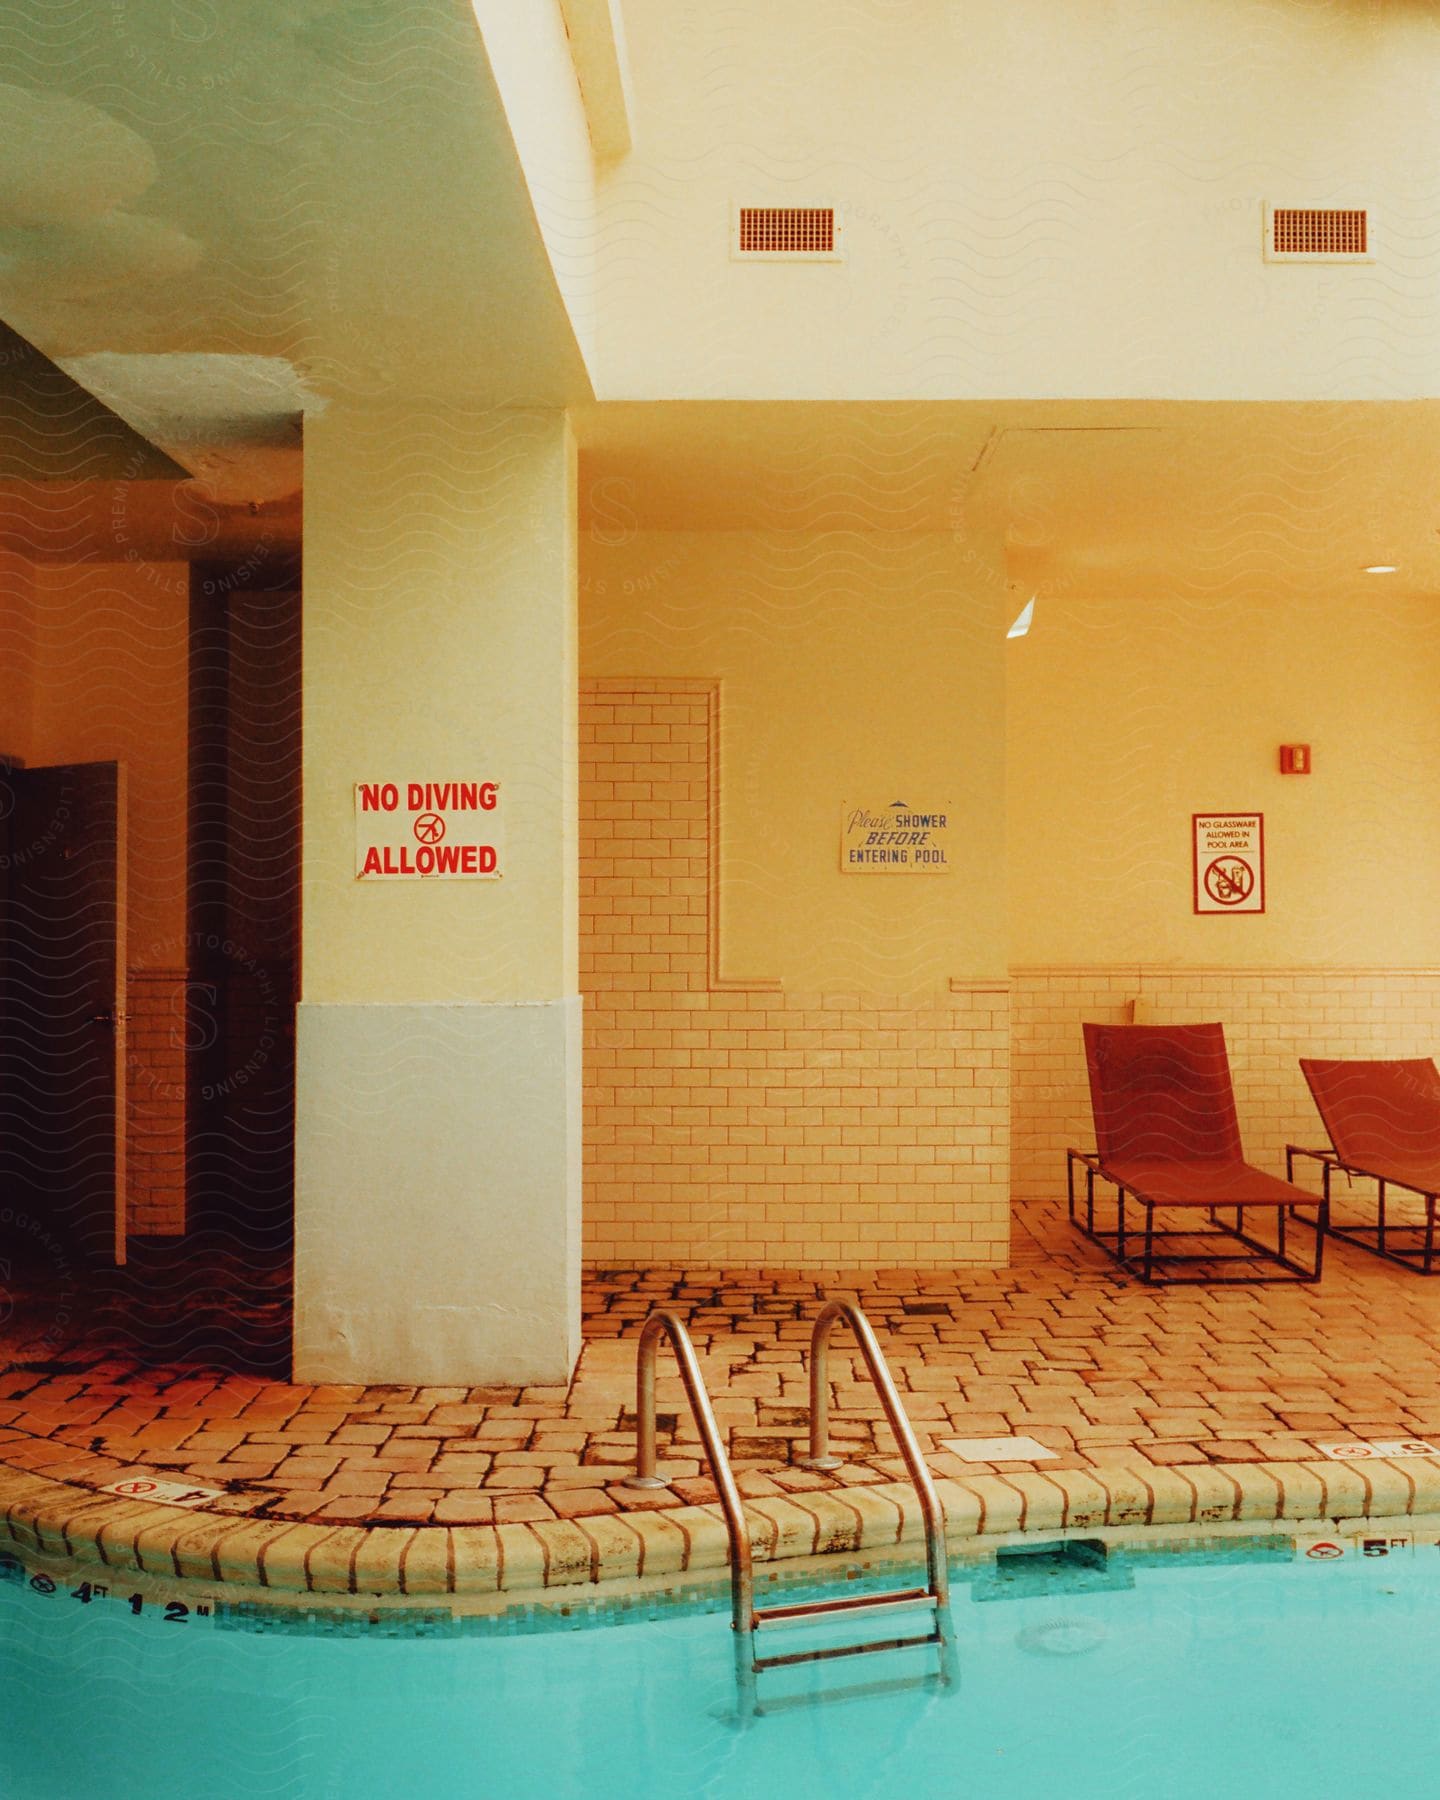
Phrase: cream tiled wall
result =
(729, 1121)
(1272, 1017)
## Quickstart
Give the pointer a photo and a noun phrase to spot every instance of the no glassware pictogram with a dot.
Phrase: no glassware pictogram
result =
(1229, 880)
(1228, 852)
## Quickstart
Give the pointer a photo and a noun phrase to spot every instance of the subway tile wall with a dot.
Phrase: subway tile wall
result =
(155, 1101)
(734, 1123)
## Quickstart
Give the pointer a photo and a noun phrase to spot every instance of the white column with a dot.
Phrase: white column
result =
(438, 1091)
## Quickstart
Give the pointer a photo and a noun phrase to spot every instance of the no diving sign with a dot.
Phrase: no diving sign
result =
(1229, 871)
(428, 830)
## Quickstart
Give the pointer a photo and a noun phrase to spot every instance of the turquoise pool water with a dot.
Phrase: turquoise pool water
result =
(1264, 1678)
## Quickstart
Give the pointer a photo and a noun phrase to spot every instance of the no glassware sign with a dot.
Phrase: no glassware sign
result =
(1229, 871)
(428, 830)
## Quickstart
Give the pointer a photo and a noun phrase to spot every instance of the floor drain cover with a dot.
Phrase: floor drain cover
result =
(998, 1449)
(1062, 1637)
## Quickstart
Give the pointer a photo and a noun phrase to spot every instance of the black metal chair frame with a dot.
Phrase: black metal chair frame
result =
(1115, 1243)
(1378, 1238)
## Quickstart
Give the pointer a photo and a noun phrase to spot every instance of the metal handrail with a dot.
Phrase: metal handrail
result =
(744, 1619)
(742, 1578)
(894, 1411)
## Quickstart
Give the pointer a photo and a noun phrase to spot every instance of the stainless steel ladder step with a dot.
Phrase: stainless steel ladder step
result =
(902, 1600)
(748, 1620)
(803, 1656)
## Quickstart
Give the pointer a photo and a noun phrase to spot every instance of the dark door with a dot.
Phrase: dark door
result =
(244, 860)
(62, 1003)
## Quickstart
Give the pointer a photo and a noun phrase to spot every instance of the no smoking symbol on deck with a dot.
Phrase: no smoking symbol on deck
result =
(429, 828)
(1229, 880)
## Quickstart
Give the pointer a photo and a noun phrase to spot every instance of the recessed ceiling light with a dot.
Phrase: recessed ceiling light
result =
(1380, 569)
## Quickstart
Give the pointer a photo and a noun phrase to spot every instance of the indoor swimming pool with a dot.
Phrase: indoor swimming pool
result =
(1255, 1671)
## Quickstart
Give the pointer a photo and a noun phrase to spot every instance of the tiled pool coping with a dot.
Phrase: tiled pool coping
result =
(297, 1564)
(1102, 1372)
(1195, 1409)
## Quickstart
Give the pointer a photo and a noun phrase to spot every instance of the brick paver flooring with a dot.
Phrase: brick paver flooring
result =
(1058, 1346)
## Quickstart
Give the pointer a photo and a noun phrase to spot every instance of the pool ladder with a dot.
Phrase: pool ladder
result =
(747, 1619)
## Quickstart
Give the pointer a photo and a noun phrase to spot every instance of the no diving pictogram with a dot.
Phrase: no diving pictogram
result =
(1229, 880)
(429, 828)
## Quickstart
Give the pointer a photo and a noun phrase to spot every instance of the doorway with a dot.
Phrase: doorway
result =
(242, 926)
(62, 1013)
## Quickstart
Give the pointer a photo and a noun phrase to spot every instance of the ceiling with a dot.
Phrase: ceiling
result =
(1109, 498)
(212, 224)
(53, 428)
(212, 230)
(149, 521)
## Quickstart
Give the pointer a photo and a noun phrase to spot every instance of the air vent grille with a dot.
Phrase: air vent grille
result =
(797, 231)
(1319, 231)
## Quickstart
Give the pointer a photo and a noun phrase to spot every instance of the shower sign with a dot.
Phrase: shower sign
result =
(428, 831)
(1229, 862)
(894, 838)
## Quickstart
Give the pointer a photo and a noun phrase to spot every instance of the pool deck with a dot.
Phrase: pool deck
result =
(1198, 1404)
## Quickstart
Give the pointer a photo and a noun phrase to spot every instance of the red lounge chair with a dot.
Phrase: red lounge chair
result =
(1166, 1135)
(1384, 1123)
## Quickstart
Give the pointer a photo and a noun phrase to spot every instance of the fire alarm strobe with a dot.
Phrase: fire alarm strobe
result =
(1294, 759)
